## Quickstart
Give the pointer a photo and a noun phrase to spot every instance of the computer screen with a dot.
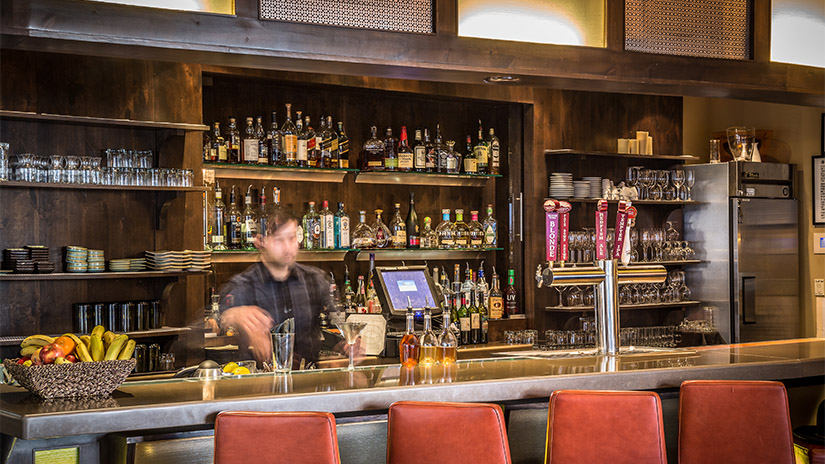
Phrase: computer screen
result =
(399, 283)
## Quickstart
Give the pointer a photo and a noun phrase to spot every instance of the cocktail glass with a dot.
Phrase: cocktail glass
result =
(351, 331)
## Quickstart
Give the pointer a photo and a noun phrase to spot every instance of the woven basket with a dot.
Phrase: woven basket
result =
(82, 379)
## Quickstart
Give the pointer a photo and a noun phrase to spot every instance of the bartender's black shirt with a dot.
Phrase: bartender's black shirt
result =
(303, 295)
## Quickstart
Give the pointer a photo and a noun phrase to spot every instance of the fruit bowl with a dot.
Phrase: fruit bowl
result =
(81, 379)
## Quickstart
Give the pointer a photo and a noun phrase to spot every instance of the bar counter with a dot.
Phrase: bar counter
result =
(367, 391)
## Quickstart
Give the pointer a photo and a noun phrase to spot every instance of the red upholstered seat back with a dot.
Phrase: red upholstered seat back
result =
(454, 433)
(734, 422)
(276, 437)
(605, 427)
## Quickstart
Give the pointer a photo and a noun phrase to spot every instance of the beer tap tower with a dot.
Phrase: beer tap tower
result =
(605, 273)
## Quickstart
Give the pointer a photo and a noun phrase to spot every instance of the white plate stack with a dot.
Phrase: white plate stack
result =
(199, 260)
(166, 260)
(595, 186)
(561, 185)
(581, 189)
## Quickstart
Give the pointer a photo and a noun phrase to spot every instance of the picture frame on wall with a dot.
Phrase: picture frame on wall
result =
(818, 189)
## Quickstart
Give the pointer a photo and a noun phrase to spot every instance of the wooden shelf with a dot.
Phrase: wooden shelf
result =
(26, 115)
(578, 309)
(242, 171)
(666, 263)
(162, 332)
(570, 151)
(119, 188)
(303, 256)
(636, 202)
(423, 178)
(389, 254)
(100, 275)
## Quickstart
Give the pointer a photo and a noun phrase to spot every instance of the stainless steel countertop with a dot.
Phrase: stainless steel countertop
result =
(190, 402)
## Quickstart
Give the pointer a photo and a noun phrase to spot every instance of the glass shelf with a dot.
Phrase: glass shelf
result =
(636, 202)
(423, 178)
(400, 254)
(578, 309)
(100, 275)
(231, 256)
(262, 172)
(570, 151)
(10, 114)
(119, 188)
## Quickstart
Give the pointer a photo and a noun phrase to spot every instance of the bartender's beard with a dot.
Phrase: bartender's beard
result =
(278, 252)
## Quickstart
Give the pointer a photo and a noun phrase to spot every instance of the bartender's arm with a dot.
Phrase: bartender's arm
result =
(253, 324)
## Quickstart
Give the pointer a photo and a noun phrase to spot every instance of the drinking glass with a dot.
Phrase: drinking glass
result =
(283, 344)
(677, 177)
(690, 179)
(351, 331)
(575, 297)
(741, 140)
(4, 161)
(70, 174)
(714, 151)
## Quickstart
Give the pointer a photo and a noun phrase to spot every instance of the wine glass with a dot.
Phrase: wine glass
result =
(351, 331)
(741, 140)
(690, 178)
(677, 177)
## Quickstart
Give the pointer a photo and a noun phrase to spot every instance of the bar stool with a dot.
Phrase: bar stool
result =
(734, 421)
(458, 433)
(276, 437)
(605, 426)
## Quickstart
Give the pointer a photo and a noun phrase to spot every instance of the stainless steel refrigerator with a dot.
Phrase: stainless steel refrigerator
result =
(745, 231)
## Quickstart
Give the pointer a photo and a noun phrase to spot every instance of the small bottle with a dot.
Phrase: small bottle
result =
(263, 211)
(249, 149)
(312, 228)
(463, 314)
(490, 229)
(349, 295)
(249, 223)
(361, 297)
(274, 142)
(390, 152)
(373, 303)
(461, 230)
(343, 147)
(445, 231)
(327, 226)
(329, 146)
(342, 229)
(263, 147)
(319, 144)
(406, 158)
(440, 150)
(303, 141)
(419, 153)
(218, 144)
(289, 133)
(447, 342)
(431, 160)
(452, 159)
(511, 308)
(207, 147)
(476, 231)
(363, 236)
(373, 152)
(219, 222)
(494, 145)
(482, 293)
(398, 229)
(496, 300)
(409, 346)
(481, 151)
(413, 233)
(429, 239)
(233, 142)
(470, 160)
(383, 237)
(233, 222)
(428, 353)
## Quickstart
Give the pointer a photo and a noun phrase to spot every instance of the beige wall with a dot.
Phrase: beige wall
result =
(796, 138)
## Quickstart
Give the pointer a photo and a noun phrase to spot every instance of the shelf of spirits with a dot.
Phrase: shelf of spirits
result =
(420, 254)
(266, 172)
(670, 304)
(139, 188)
(9, 114)
(635, 202)
(423, 178)
(304, 256)
(100, 275)
(569, 151)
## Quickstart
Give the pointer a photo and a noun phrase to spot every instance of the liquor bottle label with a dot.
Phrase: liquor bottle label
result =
(302, 150)
(465, 324)
(222, 153)
(391, 163)
(319, 144)
(496, 307)
(481, 154)
(489, 236)
(375, 164)
(344, 232)
(250, 150)
(420, 157)
(405, 160)
(475, 321)
(470, 165)
(333, 144)
(329, 232)
(475, 241)
(290, 146)
(452, 164)
(217, 239)
(447, 241)
(399, 239)
(263, 154)
(461, 242)
(495, 155)
(414, 240)
(316, 231)
(213, 154)
(299, 235)
(311, 144)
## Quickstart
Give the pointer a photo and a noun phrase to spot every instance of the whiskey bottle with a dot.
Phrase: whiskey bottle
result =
(445, 231)
(413, 234)
(496, 300)
(327, 227)
(409, 346)
(428, 353)
(494, 145)
(233, 222)
(249, 223)
(303, 141)
(452, 159)
(510, 304)
(219, 222)
(263, 148)
(312, 228)
(390, 151)
(290, 139)
(249, 148)
(470, 161)
(274, 143)
(419, 153)
(447, 343)
(343, 147)
(431, 160)
(319, 142)
(363, 236)
(481, 151)
(373, 152)
(207, 147)
(218, 143)
(233, 142)
(383, 237)
(440, 150)
(476, 231)
(490, 229)
(398, 229)
(405, 153)
(329, 146)
(342, 229)
(461, 230)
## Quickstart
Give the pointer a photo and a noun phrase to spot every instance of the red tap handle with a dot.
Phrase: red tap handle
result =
(621, 222)
(601, 230)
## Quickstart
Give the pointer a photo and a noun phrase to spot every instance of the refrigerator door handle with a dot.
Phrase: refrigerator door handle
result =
(748, 299)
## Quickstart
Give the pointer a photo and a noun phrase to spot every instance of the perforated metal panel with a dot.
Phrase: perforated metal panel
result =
(705, 28)
(400, 16)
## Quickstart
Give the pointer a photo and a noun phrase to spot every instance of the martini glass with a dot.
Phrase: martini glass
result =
(351, 331)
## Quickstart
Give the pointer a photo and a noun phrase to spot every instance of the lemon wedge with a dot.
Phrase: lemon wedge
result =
(240, 371)
(230, 367)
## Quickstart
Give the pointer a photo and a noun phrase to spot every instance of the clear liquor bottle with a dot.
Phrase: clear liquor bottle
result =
(373, 152)
(249, 149)
(428, 353)
(482, 293)
(490, 229)
(363, 236)
(343, 147)
(429, 239)
(413, 233)
(409, 346)
(406, 158)
(456, 292)
(262, 212)
(482, 151)
(312, 228)
(398, 229)
(447, 342)
(419, 153)
(233, 142)
(390, 151)
(218, 143)
(494, 145)
(327, 227)
(461, 230)
(470, 161)
(349, 295)
(219, 222)
(476, 231)
(319, 142)
(303, 140)
(464, 321)
(361, 297)
(373, 303)
(249, 222)
(452, 159)
(475, 313)
(383, 236)
(263, 147)
(496, 299)
(329, 146)
(289, 134)
(233, 222)
(207, 147)
(342, 228)
(274, 142)
(431, 160)
(440, 150)
(445, 231)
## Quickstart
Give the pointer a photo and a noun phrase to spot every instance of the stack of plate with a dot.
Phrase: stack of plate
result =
(561, 185)
(137, 264)
(167, 260)
(595, 186)
(120, 265)
(581, 189)
(96, 260)
(76, 259)
(199, 260)
(18, 260)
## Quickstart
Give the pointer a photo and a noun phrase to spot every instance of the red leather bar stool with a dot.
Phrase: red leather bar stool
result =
(458, 433)
(734, 422)
(605, 427)
(276, 437)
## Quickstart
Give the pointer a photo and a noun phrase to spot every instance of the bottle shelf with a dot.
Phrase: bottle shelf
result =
(161, 332)
(390, 254)
(578, 309)
(423, 178)
(570, 151)
(119, 188)
(303, 256)
(636, 202)
(243, 171)
(666, 263)
(100, 275)
(27, 115)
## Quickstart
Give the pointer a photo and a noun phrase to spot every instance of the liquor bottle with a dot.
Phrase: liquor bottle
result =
(276, 202)
(475, 313)
(373, 152)
(398, 229)
(511, 308)
(233, 142)
(445, 231)
(329, 147)
(233, 222)
(249, 148)
(218, 143)
(470, 160)
(260, 134)
(249, 223)
(457, 291)
(440, 150)
(383, 237)
(262, 213)
(419, 153)
(482, 288)
(447, 343)
(349, 295)
(496, 300)
(361, 297)
(490, 229)
(409, 346)
(373, 303)
(413, 233)
(312, 228)
(363, 236)
(327, 226)
(274, 142)
(319, 142)
(219, 222)
(494, 145)
(406, 158)
(482, 151)
(431, 160)
(482, 293)
(390, 152)
(429, 239)
(427, 354)
(301, 156)
(461, 230)
(476, 231)
(343, 147)
(207, 147)
(290, 139)
(452, 159)
(341, 226)
(463, 314)
(312, 144)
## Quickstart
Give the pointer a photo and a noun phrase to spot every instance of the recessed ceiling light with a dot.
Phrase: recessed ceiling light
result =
(501, 79)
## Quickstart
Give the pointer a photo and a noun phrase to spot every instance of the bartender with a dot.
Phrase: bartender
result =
(275, 289)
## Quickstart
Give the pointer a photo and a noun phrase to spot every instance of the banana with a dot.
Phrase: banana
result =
(37, 340)
(98, 330)
(115, 347)
(96, 348)
(28, 350)
(86, 339)
(80, 348)
(128, 349)
(108, 338)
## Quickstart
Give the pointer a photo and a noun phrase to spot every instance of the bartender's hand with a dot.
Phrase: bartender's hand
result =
(253, 323)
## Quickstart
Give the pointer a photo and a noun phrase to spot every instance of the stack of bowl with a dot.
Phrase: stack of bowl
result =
(76, 259)
(96, 260)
